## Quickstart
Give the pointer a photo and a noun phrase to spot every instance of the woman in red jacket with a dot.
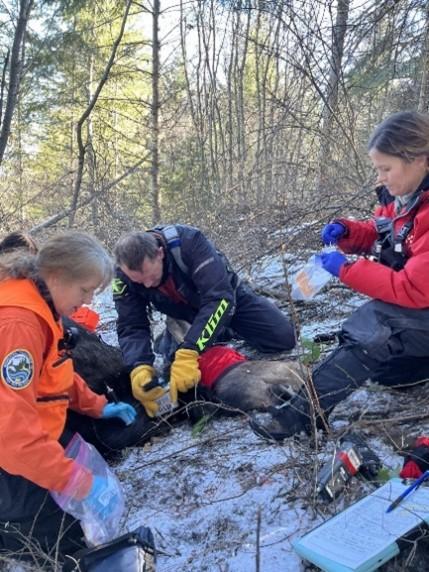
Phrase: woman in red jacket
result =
(38, 385)
(387, 338)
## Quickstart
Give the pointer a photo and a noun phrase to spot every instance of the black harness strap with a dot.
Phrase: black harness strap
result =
(389, 248)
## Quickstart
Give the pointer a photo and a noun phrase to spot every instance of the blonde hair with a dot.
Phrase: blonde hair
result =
(74, 255)
(404, 134)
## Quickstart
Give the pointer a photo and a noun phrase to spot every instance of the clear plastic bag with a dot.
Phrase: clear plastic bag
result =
(100, 519)
(310, 279)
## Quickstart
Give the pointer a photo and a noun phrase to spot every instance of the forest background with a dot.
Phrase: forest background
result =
(247, 118)
(240, 117)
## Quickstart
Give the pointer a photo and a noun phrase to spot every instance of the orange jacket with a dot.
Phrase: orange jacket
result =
(35, 392)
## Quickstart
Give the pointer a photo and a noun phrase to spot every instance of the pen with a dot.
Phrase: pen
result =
(408, 490)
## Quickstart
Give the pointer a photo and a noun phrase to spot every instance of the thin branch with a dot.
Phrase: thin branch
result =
(66, 212)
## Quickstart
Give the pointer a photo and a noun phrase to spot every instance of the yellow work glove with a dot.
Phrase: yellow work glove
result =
(184, 373)
(140, 376)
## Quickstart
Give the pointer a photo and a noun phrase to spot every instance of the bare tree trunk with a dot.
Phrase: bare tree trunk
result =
(195, 107)
(424, 84)
(156, 211)
(15, 72)
(270, 85)
(331, 100)
(230, 103)
(20, 166)
(241, 116)
(90, 146)
(260, 98)
(84, 117)
(204, 120)
(71, 130)
(115, 140)
(208, 46)
(3, 83)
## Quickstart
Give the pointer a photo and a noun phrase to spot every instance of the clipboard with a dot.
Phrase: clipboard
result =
(363, 537)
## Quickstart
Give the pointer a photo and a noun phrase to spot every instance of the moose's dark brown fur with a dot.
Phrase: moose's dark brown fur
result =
(250, 385)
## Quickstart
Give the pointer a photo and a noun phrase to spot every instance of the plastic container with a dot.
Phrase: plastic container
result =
(310, 279)
(97, 527)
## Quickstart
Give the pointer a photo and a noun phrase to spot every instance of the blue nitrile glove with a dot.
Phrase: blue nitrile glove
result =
(332, 232)
(332, 262)
(101, 499)
(124, 411)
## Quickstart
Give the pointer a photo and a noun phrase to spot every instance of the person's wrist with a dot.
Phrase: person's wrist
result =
(80, 482)
(345, 229)
(342, 268)
(187, 346)
(187, 351)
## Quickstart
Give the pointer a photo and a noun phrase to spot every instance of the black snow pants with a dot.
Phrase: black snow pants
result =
(256, 320)
(260, 323)
(382, 342)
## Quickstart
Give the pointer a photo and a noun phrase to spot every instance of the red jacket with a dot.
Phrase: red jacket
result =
(35, 392)
(408, 287)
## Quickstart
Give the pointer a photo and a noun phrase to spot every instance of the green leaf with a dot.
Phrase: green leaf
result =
(200, 425)
(311, 351)
(385, 474)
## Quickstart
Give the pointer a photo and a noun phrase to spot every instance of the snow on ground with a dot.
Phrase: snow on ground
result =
(221, 499)
(203, 495)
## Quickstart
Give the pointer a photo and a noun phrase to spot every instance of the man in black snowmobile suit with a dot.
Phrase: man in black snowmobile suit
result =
(179, 272)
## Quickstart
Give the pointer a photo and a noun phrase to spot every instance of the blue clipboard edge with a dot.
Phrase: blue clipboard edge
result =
(328, 565)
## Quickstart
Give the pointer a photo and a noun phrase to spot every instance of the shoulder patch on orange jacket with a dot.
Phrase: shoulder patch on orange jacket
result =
(17, 369)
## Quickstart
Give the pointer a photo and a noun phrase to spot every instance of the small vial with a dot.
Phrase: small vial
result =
(164, 402)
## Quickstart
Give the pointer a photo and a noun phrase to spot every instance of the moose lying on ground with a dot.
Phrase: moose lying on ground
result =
(230, 383)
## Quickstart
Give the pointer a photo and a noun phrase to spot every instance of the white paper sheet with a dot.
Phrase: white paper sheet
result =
(363, 530)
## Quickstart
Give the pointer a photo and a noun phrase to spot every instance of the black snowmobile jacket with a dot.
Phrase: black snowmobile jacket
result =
(204, 281)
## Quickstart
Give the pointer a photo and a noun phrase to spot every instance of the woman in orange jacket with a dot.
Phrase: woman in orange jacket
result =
(38, 385)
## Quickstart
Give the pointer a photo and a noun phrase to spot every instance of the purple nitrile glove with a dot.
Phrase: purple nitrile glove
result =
(332, 262)
(332, 232)
(124, 411)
